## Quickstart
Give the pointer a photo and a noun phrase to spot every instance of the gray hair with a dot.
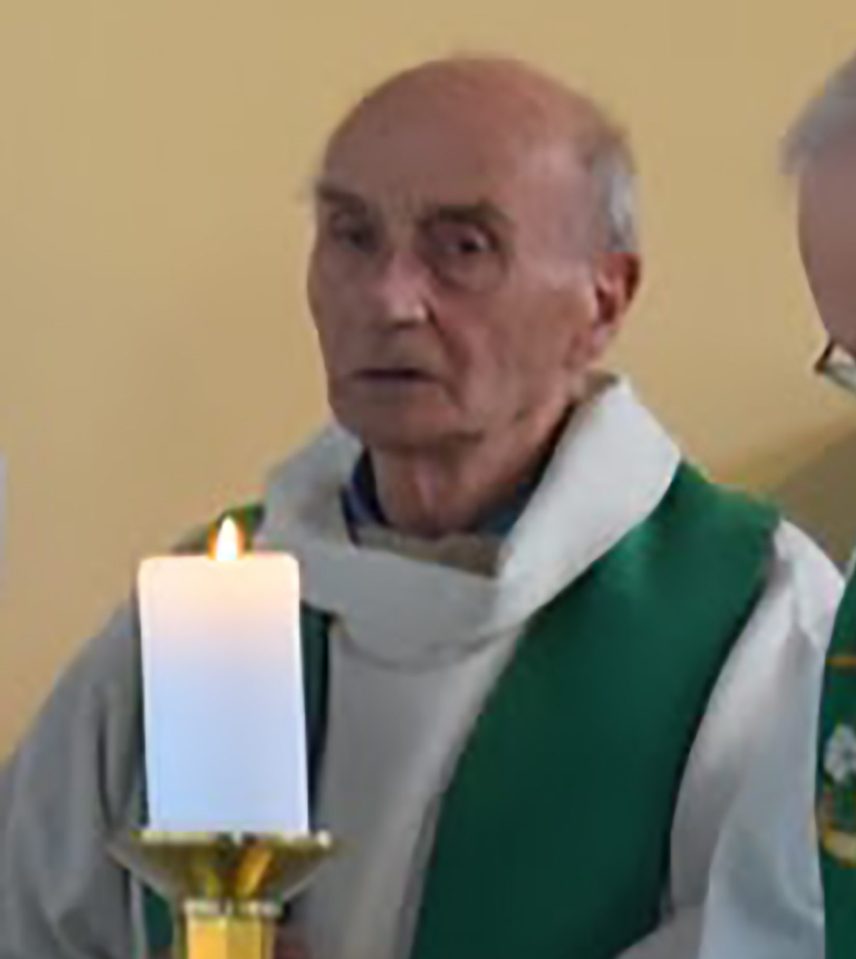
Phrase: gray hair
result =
(613, 177)
(827, 120)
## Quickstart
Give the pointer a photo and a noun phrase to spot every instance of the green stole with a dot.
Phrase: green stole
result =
(836, 777)
(555, 832)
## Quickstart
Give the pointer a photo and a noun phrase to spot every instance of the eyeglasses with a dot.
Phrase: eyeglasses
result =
(838, 366)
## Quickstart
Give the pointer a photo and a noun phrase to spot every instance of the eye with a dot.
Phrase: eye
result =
(462, 255)
(352, 232)
(461, 240)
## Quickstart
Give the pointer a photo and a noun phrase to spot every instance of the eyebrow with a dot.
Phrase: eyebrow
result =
(338, 196)
(481, 211)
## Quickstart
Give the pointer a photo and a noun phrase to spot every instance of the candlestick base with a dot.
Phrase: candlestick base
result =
(235, 935)
(227, 889)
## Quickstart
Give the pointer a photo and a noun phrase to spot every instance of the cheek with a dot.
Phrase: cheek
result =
(556, 340)
(324, 308)
(494, 359)
(337, 287)
(317, 284)
(313, 295)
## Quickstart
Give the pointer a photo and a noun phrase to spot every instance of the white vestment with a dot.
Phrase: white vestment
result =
(417, 643)
(765, 899)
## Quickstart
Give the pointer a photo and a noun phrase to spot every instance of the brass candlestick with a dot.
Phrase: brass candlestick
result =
(227, 890)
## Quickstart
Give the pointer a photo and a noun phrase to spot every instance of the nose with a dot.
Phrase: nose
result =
(401, 290)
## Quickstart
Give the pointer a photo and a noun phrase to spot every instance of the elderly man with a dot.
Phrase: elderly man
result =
(547, 649)
(767, 893)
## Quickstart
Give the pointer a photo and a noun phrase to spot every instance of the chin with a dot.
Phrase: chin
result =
(400, 434)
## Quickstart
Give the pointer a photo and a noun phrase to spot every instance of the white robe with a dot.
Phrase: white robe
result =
(416, 647)
(766, 899)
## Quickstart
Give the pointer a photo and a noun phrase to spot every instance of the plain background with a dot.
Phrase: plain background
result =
(155, 355)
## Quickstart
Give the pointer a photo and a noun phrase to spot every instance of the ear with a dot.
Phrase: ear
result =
(617, 277)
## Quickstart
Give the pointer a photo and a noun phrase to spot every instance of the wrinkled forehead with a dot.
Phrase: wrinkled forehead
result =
(404, 160)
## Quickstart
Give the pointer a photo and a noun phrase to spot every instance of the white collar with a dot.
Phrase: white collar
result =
(611, 467)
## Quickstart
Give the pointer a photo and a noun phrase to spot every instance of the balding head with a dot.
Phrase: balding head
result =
(509, 102)
(465, 273)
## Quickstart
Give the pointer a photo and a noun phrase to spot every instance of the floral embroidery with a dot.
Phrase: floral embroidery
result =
(837, 798)
(839, 757)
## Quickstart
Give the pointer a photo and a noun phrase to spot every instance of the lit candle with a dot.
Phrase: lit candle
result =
(224, 718)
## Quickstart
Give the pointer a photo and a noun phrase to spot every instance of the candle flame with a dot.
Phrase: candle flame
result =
(229, 544)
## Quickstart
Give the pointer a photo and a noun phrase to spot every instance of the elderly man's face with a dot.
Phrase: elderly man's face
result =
(448, 280)
(827, 227)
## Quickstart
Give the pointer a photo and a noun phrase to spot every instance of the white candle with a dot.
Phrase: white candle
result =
(224, 718)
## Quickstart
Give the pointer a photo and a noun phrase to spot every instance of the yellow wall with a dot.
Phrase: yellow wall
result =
(155, 354)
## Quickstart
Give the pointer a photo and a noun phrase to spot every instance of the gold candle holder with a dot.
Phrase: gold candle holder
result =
(227, 890)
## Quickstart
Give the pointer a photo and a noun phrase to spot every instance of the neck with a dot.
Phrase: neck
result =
(434, 493)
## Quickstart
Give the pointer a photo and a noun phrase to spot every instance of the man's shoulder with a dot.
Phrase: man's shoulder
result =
(717, 501)
(797, 568)
(815, 583)
(699, 517)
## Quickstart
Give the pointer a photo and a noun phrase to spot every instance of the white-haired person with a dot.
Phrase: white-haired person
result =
(546, 649)
(783, 883)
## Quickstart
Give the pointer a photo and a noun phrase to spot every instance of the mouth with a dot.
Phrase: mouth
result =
(395, 376)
